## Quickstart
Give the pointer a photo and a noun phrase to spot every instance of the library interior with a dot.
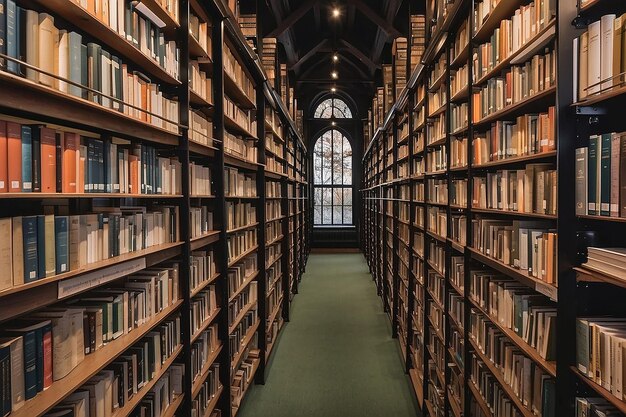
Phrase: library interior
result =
(312, 208)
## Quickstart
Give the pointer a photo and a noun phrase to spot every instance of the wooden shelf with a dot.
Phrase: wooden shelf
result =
(113, 41)
(520, 107)
(240, 316)
(602, 218)
(136, 399)
(241, 228)
(205, 240)
(244, 344)
(607, 395)
(231, 124)
(202, 286)
(51, 196)
(239, 162)
(500, 378)
(416, 382)
(585, 273)
(479, 398)
(200, 378)
(40, 100)
(548, 366)
(90, 366)
(255, 367)
(243, 255)
(522, 276)
(272, 317)
(28, 297)
(511, 213)
(233, 90)
(516, 160)
(205, 324)
(243, 285)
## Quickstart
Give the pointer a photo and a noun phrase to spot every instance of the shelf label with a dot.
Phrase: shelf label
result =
(547, 289)
(93, 279)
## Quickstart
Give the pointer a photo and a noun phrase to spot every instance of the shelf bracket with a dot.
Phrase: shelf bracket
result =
(590, 111)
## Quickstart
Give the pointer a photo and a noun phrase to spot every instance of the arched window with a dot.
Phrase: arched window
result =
(333, 108)
(332, 179)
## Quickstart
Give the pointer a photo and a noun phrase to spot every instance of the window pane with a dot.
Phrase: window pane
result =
(337, 168)
(347, 196)
(327, 157)
(337, 215)
(317, 201)
(317, 215)
(338, 196)
(327, 198)
(317, 163)
(347, 214)
(333, 107)
(327, 215)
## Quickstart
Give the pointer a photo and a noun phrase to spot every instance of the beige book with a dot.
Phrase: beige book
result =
(74, 239)
(50, 249)
(18, 252)
(48, 33)
(63, 59)
(607, 37)
(594, 60)
(583, 65)
(6, 254)
(32, 44)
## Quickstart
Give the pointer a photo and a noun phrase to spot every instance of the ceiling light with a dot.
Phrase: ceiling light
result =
(334, 74)
(333, 123)
(336, 12)
(333, 90)
(335, 57)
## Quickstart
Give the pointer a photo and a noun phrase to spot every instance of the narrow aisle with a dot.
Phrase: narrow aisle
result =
(336, 357)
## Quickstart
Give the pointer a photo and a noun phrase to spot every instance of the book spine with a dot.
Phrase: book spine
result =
(31, 262)
(36, 158)
(61, 230)
(60, 151)
(581, 181)
(4, 154)
(615, 161)
(605, 175)
(41, 246)
(592, 172)
(27, 159)
(30, 365)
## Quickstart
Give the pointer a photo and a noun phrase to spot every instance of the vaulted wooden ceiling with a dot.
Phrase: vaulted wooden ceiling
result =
(310, 35)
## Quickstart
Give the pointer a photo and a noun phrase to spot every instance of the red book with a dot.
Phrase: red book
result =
(4, 158)
(70, 163)
(47, 358)
(14, 164)
(48, 161)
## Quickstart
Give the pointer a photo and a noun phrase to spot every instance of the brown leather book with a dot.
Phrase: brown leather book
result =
(70, 165)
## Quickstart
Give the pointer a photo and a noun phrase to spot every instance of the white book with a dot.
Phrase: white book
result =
(575, 61)
(63, 60)
(594, 58)
(607, 31)
(113, 14)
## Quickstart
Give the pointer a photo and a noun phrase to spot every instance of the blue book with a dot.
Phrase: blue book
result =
(90, 169)
(107, 164)
(11, 34)
(27, 159)
(61, 243)
(41, 246)
(31, 261)
(605, 175)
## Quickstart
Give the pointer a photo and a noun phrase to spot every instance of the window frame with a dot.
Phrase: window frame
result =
(335, 111)
(346, 154)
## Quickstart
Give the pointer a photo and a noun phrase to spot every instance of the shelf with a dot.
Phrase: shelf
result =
(244, 344)
(479, 398)
(200, 378)
(272, 317)
(541, 39)
(461, 58)
(454, 406)
(202, 286)
(516, 160)
(243, 255)
(136, 399)
(250, 306)
(602, 218)
(511, 213)
(522, 106)
(21, 93)
(416, 382)
(27, 297)
(205, 324)
(205, 240)
(233, 90)
(525, 412)
(241, 228)
(50, 196)
(231, 124)
(502, 10)
(607, 395)
(247, 280)
(255, 366)
(522, 276)
(114, 42)
(239, 162)
(588, 274)
(90, 366)
(548, 366)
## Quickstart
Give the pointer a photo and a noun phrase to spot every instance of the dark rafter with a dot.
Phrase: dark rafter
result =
(358, 54)
(309, 54)
(382, 23)
(286, 39)
(290, 20)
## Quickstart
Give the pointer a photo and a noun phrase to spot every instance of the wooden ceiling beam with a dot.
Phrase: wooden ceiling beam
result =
(292, 18)
(286, 39)
(382, 23)
(358, 54)
(317, 48)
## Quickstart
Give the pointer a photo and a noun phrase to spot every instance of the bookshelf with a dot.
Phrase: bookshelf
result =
(442, 208)
(153, 181)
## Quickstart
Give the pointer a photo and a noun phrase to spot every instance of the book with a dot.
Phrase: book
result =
(4, 154)
(30, 251)
(594, 59)
(14, 165)
(16, 347)
(581, 181)
(27, 159)
(48, 160)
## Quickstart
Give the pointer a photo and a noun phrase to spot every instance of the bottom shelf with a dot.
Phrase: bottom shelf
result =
(255, 367)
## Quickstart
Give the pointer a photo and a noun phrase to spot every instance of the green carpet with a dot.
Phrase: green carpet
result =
(336, 357)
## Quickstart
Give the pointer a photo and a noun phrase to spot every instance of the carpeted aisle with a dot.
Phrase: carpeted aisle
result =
(336, 357)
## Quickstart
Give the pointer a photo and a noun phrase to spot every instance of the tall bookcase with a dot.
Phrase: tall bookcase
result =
(207, 136)
(443, 275)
